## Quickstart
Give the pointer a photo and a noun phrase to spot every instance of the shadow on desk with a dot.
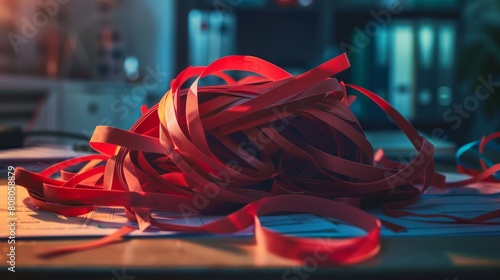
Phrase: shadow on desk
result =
(229, 258)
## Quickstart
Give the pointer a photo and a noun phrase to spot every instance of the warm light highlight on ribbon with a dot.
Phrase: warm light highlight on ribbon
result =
(265, 143)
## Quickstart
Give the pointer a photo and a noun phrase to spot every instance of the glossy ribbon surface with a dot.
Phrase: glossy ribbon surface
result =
(267, 142)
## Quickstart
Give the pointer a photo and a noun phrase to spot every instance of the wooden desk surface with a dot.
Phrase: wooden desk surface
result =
(228, 258)
(400, 258)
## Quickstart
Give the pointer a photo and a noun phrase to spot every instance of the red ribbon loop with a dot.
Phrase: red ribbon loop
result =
(267, 143)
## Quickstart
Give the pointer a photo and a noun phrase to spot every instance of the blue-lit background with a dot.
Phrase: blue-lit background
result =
(71, 65)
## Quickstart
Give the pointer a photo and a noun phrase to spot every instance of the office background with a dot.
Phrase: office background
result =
(71, 65)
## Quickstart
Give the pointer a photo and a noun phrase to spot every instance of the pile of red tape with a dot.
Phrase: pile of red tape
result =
(268, 142)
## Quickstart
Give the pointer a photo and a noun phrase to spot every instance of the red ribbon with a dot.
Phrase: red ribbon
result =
(266, 143)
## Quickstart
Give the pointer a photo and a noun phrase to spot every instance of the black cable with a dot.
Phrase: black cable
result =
(56, 133)
(14, 137)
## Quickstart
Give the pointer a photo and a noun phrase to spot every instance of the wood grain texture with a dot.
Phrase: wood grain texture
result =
(467, 257)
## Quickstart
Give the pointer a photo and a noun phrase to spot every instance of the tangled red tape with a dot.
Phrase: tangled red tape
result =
(265, 143)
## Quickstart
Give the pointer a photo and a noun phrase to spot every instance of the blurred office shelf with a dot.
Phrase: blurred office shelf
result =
(403, 50)
(68, 105)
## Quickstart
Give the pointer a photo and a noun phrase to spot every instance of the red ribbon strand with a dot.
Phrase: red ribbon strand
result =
(268, 142)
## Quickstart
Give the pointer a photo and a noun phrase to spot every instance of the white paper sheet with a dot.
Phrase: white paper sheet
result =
(465, 202)
(32, 222)
(464, 206)
(40, 153)
(36, 158)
